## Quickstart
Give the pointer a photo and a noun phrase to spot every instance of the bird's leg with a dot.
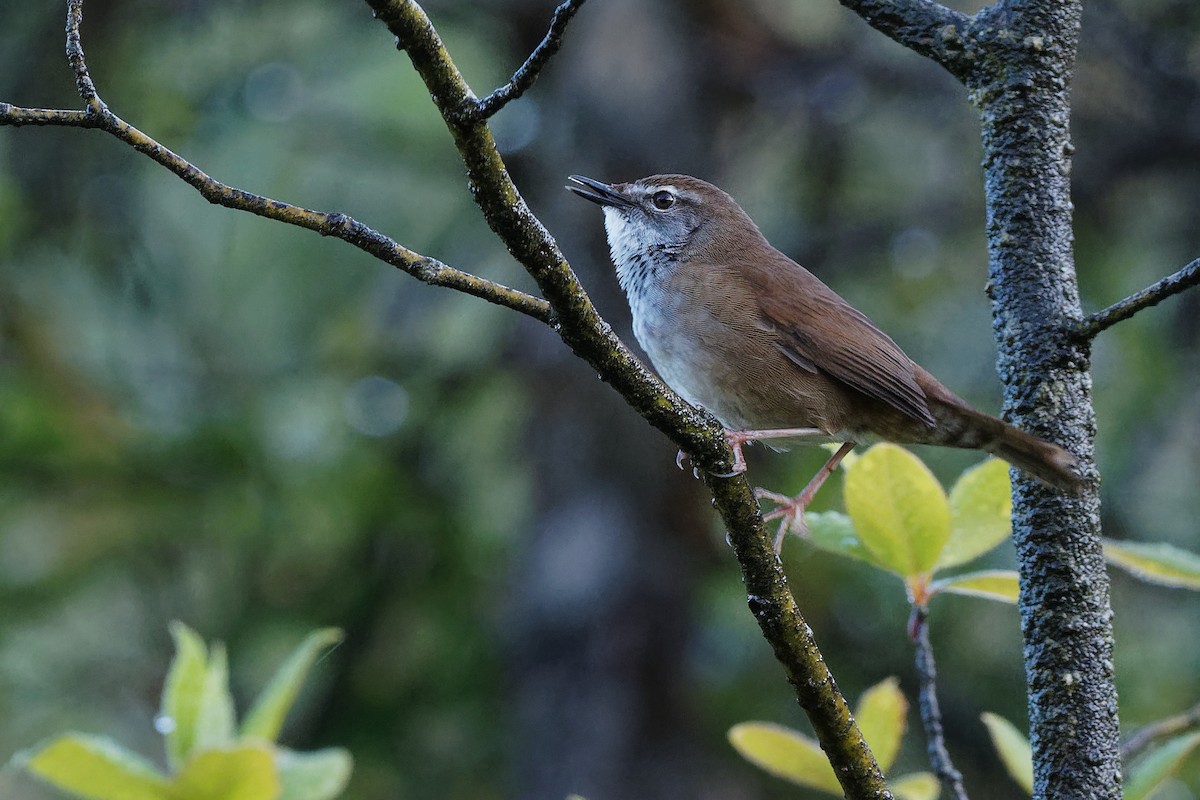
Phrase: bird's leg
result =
(738, 438)
(790, 510)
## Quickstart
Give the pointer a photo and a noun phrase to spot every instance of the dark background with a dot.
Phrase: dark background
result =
(210, 417)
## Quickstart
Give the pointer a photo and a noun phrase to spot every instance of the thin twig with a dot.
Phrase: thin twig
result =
(1101, 321)
(97, 115)
(528, 72)
(931, 712)
(924, 27)
(1148, 734)
(83, 80)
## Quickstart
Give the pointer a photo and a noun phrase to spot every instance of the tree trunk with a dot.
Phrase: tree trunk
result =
(1022, 86)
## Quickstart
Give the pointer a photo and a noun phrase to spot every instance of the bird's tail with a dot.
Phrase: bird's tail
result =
(1047, 462)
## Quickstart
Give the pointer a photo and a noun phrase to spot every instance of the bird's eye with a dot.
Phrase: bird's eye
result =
(663, 199)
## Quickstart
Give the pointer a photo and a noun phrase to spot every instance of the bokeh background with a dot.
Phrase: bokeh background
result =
(210, 417)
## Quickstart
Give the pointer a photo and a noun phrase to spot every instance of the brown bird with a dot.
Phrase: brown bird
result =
(735, 326)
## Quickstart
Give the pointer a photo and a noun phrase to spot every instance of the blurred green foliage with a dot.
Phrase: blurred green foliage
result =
(210, 417)
(209, 758)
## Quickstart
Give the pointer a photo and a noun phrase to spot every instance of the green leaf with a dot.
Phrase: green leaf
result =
(881, 715)
(238, 773)
(182, 692)
(833, 531)
(1155, 563)
(980, 513)
(319, 775)
(214, 724)
(266, 716)
(1151, 770)
(916, 786)
(1013, 748)
(990, 584)
(898, 509)
(97, 768)
(785, 754)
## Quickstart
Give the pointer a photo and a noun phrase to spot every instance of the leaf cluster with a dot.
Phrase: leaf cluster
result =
(210, 756)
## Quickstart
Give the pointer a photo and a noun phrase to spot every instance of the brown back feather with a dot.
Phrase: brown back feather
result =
(818, 327)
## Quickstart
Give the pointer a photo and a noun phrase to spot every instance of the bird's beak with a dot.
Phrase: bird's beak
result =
(600, 193)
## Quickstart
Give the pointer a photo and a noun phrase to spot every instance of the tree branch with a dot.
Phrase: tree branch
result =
(528, 72)
(923, 26)
(97, 115)
(1101, 321)
(931, 712)
(1148, 734)
(591, 338)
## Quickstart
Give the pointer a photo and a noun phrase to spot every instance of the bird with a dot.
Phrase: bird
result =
(738, 328)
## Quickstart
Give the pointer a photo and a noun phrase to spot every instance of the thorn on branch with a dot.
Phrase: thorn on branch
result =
(528, 72)
(1101, 321)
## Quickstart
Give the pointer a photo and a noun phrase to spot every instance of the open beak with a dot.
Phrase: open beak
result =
(600, 193)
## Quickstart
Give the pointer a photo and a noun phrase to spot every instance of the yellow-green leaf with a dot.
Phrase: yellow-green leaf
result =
(916, 786)
(97, 768)
(898, 509)
(1013, 748)
(990, 584)
(239, 773)
(785, 754)
(318, 775)
(980, 513)
(266, 716)
(1155, 563)
(1152, 769)
(833, 531)
(881, 714)
(182, 692)
(215, 720)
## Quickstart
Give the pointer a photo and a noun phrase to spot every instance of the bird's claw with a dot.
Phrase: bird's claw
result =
(790, 513)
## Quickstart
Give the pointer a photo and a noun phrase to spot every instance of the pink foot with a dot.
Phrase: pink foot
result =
(790, 510)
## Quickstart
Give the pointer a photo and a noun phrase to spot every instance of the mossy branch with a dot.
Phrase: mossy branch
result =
(565, 308)
(591, 338)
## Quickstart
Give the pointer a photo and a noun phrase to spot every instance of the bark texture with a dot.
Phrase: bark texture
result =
(1016, 58)
(1021, 84)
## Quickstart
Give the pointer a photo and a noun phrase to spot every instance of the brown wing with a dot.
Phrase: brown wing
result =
(817, 328)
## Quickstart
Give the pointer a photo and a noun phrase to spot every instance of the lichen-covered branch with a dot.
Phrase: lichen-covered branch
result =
(924, 27)
(1173, 284)
(931, 711)
(581, 327)
(528, 72)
